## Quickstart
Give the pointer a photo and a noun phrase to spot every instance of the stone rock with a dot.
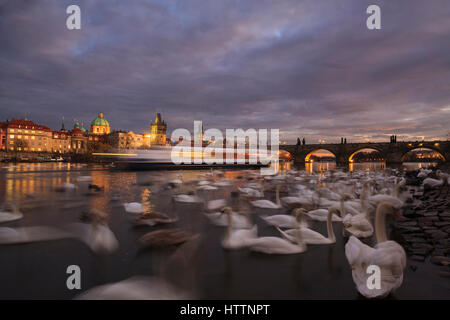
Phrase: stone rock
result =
(442, 223)
(445, 274)
(417, 258)
(440, 260)
(439, 235)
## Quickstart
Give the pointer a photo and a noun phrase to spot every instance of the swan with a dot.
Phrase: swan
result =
(97, 236)
(222, 219)
(267, 204)
(322, 214)
(310, 236)
(134, 207)
(432, 183)
(152, 219)
(217, 204)
(84, 178)
(186, 198)
(283, 220)
(166, 237)
(358, 225)
(236, 238)
(389, 256)
(424, 173)
(377, 199)
(6, 216)
(250, 192)
(31, 234)
(275, 245)
(135, 288)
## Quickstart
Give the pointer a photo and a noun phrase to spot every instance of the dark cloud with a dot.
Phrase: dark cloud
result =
(310, 68)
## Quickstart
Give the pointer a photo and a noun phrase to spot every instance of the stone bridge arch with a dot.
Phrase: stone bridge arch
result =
(391, 152)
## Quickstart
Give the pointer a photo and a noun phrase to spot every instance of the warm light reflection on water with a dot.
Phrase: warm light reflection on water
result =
(220, 274)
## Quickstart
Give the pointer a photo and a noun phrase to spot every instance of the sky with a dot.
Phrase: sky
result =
(308, 68)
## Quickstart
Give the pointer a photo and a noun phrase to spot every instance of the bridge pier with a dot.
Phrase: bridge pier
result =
(393, 152)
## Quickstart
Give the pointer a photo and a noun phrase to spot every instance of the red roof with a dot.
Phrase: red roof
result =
(77, 131)
(25, 124)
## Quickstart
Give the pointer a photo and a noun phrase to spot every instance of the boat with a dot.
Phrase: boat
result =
(160, 157)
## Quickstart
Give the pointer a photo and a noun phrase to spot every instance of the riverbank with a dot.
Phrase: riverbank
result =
(424, 231)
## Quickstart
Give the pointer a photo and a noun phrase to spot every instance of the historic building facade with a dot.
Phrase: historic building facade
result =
(100, 125)
(158, 131)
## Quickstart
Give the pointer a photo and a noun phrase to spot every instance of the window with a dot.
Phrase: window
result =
(33, 132)
(11, 130)
(11, 136)
(39, 149)
(26, 137)
(26, 131)
(11, 142)
(32, 149)
(11, 148)
(32, 138)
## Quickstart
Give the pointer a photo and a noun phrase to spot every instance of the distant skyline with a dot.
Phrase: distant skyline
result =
(310, 68)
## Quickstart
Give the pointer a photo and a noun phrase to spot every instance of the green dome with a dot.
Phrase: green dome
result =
(100, 121)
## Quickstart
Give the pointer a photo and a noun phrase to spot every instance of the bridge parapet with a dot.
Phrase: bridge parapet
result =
(392, 152)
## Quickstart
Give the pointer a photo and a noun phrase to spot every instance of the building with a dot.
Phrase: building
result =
(128, 140)
(100, 125)
(25, 135)
(158, 131)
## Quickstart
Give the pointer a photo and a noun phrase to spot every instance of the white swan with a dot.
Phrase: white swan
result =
(377, 199)
(186, 198)
(267, 204)
(6, 216)
(250, 192)
(389, 256)
(432, 183)
(135, 288)
(134, 207)
(281, 220)
(322, 215)
(310, 236)
(31, 234)
(217, 204)
(275, 245)
(358, 225)
(97, 236)
(236, 238)
(222, 219)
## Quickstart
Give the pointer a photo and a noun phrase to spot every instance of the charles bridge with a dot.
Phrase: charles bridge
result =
(392, 152)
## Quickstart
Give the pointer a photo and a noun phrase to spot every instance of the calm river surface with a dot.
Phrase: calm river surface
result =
(38, 270)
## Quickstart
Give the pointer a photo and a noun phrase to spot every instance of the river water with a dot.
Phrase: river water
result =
(38, 270)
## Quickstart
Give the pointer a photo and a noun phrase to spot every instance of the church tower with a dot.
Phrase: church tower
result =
(158, 131)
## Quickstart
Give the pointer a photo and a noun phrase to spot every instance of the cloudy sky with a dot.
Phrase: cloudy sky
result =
(310, 68)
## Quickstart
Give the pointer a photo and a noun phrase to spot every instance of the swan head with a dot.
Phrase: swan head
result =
(387, 207)
(298, 213)
(227, 210)
(346, 197)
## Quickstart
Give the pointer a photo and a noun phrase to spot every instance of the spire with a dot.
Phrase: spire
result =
(62, 125)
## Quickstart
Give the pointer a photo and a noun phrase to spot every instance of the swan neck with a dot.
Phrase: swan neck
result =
(330, 230)
(380, 224)
(277, 195)
(343, 212)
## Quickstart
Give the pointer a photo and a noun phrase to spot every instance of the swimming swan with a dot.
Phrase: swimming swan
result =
(389, 256)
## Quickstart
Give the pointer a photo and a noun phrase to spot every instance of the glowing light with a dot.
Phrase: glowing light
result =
(115, 154)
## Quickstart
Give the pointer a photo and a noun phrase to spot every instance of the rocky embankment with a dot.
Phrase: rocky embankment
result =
(425, 229)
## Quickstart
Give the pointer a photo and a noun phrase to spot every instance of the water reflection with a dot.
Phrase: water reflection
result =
(322, 272)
